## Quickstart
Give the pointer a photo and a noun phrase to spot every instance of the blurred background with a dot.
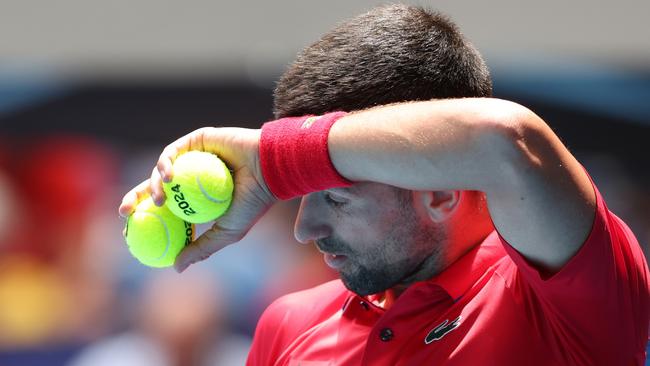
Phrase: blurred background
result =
(90, 93)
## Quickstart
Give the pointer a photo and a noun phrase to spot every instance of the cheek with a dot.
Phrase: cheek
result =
(384, 249)
(360, 231)
(374, 232)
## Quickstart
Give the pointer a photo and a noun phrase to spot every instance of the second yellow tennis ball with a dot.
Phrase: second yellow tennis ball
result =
(155, 236)
(201, 188)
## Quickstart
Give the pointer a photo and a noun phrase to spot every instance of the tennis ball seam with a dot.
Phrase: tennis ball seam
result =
(201, 189)
(206, 194)
(167, 235)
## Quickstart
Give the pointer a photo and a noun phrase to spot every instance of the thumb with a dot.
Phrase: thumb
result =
(204, 246)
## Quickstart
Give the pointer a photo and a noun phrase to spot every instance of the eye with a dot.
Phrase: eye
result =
(333, 200)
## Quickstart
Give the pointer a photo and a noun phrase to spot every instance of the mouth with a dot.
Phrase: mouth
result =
(331, 254)
(334, 261)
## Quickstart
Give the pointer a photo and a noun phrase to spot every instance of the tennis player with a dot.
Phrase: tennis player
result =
(463, 230)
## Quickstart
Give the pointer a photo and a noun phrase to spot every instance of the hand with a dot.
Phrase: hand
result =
(238, 148)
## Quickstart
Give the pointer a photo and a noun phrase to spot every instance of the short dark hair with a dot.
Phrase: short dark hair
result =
(391, 54)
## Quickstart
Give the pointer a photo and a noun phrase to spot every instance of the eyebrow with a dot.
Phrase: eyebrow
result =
(346, 192)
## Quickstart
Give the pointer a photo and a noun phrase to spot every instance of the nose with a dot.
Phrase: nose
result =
(311, 221)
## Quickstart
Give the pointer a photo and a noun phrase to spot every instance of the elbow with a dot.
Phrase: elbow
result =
(515, 137)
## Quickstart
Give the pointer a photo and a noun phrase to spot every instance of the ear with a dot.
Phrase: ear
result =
(439, 205)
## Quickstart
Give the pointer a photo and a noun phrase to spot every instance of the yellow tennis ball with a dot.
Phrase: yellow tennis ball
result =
(155, 236)
(201, 188)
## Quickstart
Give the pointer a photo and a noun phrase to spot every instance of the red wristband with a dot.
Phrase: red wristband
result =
(294, 156)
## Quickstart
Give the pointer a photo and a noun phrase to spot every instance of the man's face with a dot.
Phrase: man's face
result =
(371, 234)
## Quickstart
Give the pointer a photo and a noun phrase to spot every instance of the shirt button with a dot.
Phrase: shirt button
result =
(364, 305)
(386, 334)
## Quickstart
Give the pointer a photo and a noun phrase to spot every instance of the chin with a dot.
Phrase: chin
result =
(363, 289)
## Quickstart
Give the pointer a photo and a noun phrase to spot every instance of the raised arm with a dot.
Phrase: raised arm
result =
(539, 197)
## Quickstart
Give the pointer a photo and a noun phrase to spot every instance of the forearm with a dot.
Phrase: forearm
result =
(434, 145)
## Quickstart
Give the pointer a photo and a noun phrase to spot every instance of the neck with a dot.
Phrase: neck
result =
(436, 263)
(427, 269)
(430, 267)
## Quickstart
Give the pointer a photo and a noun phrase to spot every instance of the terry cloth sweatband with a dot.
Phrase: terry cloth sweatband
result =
(294, 157)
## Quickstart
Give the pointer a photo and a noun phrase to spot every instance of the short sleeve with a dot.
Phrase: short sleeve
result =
(596, 307)
(285, 320)
(267, 341)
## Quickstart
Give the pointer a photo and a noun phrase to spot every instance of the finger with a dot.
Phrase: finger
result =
(133, 197)
(156, 188)
(192, 141)
(203, 247)
(169, 154)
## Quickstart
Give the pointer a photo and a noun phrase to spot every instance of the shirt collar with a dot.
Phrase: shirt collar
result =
(463, 273)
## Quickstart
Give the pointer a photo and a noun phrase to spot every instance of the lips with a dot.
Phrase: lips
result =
(334, 261)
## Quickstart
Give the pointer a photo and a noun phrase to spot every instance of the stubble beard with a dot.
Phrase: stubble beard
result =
(420, 254)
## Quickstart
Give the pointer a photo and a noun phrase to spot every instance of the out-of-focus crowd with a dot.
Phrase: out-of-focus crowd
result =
(71, 294)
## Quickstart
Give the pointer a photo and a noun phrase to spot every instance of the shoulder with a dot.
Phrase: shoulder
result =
(609, 248)
(307, 306)
(291, 315)
(606, 280)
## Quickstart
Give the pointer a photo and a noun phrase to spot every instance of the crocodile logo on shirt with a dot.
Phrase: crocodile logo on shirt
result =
(441, 330)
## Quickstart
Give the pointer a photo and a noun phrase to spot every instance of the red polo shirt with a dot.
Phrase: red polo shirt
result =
(488, 308)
